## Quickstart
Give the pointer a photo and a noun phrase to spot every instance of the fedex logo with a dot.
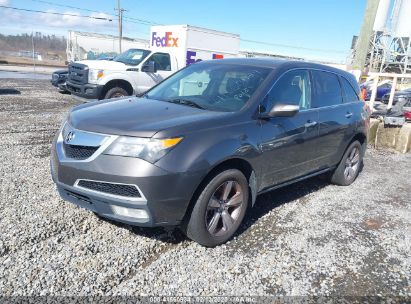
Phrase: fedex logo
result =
(166, 41)
(191, 57)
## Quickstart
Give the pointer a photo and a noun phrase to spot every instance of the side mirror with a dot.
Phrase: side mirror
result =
(282, 110)
(149, 67)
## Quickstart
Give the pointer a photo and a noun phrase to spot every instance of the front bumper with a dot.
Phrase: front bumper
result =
(107, 208)
(164, 199)
(88, 90)
(62, 87)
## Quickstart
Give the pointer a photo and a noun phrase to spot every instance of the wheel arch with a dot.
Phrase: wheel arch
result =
(126, 85)
(231, 163)
(362, 138)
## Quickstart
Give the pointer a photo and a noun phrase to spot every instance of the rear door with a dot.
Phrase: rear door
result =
(289, 143)
(336, 117)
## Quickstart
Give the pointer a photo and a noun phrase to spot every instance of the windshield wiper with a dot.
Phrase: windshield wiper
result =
(187, 103)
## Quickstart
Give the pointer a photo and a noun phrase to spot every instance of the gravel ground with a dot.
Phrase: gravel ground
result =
(310, 238)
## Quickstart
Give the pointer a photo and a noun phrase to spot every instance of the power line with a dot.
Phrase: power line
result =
(141, 21)
(129, 19)
(54, 13)
(293, 46)
(69, 6)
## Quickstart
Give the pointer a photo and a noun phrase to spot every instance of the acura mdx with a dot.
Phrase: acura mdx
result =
(198, 148)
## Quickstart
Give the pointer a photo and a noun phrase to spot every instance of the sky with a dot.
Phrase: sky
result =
(312, 29)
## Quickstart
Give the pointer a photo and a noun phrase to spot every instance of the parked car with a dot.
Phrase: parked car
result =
(383, 88)
(404, 94)
(58, 79)
(197, 149)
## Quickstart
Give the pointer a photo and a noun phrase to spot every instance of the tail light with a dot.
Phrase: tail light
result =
(407, 115)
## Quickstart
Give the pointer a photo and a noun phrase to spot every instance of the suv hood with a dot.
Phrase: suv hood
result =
(104, 65)
(139, 117)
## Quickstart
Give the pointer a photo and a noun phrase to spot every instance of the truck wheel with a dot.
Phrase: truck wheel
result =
(349, 166)
(115, 93)
(219, 210)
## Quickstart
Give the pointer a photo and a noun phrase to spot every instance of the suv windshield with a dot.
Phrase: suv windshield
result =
(215, 87)
(132, 56)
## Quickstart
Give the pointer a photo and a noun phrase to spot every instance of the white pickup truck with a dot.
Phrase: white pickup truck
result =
(137, 70)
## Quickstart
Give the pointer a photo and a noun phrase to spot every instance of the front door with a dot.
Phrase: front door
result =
(289, 144)
(162, 64)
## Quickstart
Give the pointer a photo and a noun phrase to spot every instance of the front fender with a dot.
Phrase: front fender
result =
(200, 152)
(118, 76)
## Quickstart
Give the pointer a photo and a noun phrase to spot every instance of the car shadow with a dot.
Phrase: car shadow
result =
(273, 199)
(170, 235)
(9, 92)
(264, 204)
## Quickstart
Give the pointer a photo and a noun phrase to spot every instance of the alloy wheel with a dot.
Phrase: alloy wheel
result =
(352, 164)
(224, 208)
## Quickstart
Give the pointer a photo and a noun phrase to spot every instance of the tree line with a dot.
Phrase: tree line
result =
(42, 43)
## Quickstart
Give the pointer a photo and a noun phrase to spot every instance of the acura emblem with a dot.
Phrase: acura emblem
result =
(70, 136)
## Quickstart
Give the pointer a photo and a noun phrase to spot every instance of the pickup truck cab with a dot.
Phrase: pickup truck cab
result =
(132, 72)
(137, 70)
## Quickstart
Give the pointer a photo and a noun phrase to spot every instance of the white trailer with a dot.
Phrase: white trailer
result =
(83, 46)
(138, 69)
(189, 44)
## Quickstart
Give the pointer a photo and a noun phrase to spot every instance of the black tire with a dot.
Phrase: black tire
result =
(203, 213)
(343, 177)
(115, 93)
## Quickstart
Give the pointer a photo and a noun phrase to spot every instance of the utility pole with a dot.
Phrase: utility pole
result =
(120, 23)
(363, 42)
(33, 56)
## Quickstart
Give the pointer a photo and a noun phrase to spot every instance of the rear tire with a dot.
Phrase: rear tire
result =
(115, 93)
(349, 166)
(219, 210)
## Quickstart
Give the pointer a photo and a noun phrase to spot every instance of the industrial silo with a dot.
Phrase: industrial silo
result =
(402, 24)
(382, 15)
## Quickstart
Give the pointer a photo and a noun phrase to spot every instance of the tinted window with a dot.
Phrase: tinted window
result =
(161, 61)
(292, 88)
(327, 90)
(350, 94)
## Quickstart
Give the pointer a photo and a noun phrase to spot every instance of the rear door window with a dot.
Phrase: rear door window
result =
(327, 89)
(350, 95)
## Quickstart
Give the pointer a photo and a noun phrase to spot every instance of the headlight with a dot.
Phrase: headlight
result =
(149, 149)
(95, 75)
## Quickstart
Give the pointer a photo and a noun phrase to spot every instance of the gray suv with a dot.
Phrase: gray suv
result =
(197, 149)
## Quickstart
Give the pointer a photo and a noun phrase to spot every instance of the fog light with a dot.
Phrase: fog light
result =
(130, 212)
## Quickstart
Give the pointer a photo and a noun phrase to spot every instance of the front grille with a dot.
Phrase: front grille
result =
(115, 189)
(78, 152)
(78, 73)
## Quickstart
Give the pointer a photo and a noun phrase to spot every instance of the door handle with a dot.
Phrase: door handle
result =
(348, 115)
(310, 123)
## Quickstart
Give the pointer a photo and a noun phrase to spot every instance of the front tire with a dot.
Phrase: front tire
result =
(115, 92)
(349, 166)
(219, 210)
